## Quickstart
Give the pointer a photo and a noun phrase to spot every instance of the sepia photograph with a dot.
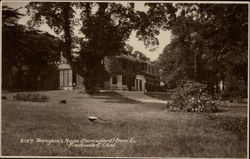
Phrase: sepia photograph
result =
(124, 79)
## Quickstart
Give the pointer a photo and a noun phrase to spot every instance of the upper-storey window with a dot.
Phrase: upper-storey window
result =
(148, 69)
(156, 71)
(144, 67)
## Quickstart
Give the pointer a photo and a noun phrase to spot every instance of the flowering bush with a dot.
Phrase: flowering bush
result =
(192, 98)
(31, 97)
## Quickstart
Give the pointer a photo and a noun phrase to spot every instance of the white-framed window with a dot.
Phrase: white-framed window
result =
(66, 78)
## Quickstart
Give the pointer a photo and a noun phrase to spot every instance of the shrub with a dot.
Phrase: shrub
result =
(192, 98)
(31, 97)
(63, 101)
(4, 97)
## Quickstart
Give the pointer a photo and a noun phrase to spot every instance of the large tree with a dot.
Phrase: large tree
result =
(209, 44)
(225, 38)
(24, 51)
(105, 26)
(10, 41)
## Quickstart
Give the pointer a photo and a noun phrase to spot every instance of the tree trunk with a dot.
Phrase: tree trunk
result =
(217, 86)
(195, 66)
(90, 85)
(68, 44)
(210, 83)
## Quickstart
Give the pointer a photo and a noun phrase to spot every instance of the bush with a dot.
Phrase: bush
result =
(63, 101)
(4, 97)
(31, 97)
(192, 98)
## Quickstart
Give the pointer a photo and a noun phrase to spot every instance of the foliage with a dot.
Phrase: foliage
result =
(171, 64)
(36, 97)
(63, 101)
(159, 15)
(10, 16)
(105, 30)
(11, 43)
(192, 98)
(25, 51)
(113, 65)
(204, 47)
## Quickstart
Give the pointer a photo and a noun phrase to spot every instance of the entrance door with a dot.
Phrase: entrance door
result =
(140, 86)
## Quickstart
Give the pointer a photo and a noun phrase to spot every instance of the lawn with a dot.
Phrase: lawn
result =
(139, 129)
(160, 95)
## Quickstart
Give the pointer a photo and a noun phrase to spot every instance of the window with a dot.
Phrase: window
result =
(145, 67)
(132, 81)
(114, 79)
(61, 78)
(149, 69)
(65, 78)
(140, 85)
(124, 80)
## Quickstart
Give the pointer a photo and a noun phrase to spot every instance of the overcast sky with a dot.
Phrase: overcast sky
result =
(164, 37)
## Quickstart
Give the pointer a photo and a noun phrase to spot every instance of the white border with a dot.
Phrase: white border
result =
(199, 2)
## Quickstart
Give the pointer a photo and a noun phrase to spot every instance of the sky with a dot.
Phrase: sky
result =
(164, 36)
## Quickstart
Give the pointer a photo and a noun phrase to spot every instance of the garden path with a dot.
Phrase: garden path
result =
(140, 96)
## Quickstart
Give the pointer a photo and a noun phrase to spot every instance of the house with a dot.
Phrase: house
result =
(136, 73)
(68, 79)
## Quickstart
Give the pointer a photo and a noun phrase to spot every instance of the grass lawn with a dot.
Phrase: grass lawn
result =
(156, 131)
(160, 95)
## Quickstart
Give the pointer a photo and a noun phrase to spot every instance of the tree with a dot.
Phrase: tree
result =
(105, 30)
(210, 43)
(26, 52)
(179, 58)
(225, 39)
(40, 52)
(10, 44)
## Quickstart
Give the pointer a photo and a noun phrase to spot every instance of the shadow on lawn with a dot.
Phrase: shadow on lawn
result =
(113, 97)
(161, 96)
